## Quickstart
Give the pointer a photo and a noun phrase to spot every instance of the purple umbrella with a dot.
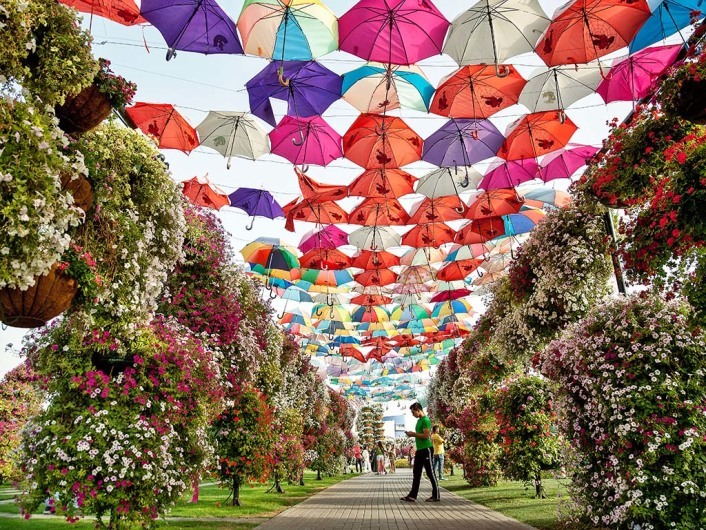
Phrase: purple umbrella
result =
(330, 237)
(510, 174)
(562, 164)
(306, 141)
(192, 25)
(462, 142)
(255, 202)
(306, 86)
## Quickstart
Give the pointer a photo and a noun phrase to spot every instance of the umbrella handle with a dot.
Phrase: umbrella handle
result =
(284, 81)
(502, 70)
(171, 53)
(466, 181)
(252, 223)
(562, 116)
(273, 294)
(329, 300)
(373, 246)
(281, 315)
(300, 141)
(318, 312)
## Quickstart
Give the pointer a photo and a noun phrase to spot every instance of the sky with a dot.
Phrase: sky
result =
(198, 83)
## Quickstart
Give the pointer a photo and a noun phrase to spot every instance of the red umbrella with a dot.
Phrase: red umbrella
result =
(376, 277)
(371, 299)
(368, 260)
(321, 213)
(481, 230)
(201, 192)
(587, 29)
(441, 209)
(458, 270)
(315, 191)
(537, 134)
(382, 182)
(494, 203)
(452, 294)
(429, 235)
(325, 258)
(163, 123)
(375, 141)
(379, 212)
(123, 12)
(350, 350)
(477, 92)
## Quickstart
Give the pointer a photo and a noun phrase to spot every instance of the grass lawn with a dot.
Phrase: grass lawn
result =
(213, 503)
(514, 499)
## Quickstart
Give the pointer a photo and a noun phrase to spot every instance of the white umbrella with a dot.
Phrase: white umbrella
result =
(444, 182)
(375, 238)
(234, 134)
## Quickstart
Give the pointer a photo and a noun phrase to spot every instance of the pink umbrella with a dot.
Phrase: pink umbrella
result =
(330, 237)
(562, 164)
(510, 174)
(306, 141)
(631, 78)
(392, 31)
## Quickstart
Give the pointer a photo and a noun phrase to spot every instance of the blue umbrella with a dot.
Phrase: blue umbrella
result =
(255, 202)
(667, 19)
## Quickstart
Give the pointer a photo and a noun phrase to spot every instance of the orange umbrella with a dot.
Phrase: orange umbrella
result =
(481, 230)
(369, 260)
(350, 350)
(536, 134)
(429, 235)
(371, 299)
(162, 122)
(494, 203)
(376, 277)
(375, 141)
(379, 212)
(458, 270)
(382, 182)
(440, 209)
(123, 12)
(201, 192)
(325, 258)
(315, 191)
(322, 213)
(476, 91)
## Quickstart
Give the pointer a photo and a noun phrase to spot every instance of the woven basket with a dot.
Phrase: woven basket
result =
(84, 111)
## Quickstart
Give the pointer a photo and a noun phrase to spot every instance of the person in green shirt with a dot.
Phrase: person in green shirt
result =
(423, 456)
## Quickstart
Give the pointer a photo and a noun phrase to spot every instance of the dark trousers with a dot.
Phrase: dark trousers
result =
(422, 461)
(359, 465)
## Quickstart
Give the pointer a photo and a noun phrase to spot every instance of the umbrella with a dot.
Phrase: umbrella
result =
(463, 252)
(444, 182)
(584, 30)
(450, 294)
(494, 203)
(382, 182)
(429, 235)
(330, 278)
(558, 87)
(379, 277)
(329, 237)
(326, 259)
(537, 134)
(287, 30)
(371, 299)
(451, 307)
(510, 174)
(374, 238)
(520, 223)
(458, 270)
(123, 12)
(404, 313)
(379, 212)
(442, 209)
(377, 88)
(320, 213)
(368, 260)
(375, 141)
(494, 30)
(392, 31)
(163, 123)
(305, 141)
(542, 196)
(481, 231)
(370, 314)
(334, 313)
(192, 25)
(297, 295)
(201, 192)
(314, 191)
(422, 256)
(255, 202)
(564, 163)
(476, 92)
(668, 18)
(462, 142)
(233, 134)
(631, 78)
(275, 257)
(307, 87)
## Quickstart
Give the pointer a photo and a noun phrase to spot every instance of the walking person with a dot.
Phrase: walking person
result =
(438, 443)
(423, 456)
(380, 459)
(392, 454)
(366, 460)
(358, 458)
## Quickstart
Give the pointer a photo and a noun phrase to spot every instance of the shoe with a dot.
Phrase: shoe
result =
(432, 499)
(442, 478)
(407, 498)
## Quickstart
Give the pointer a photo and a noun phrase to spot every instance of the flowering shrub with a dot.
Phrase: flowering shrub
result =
(36, 217)
(525, 417)
(632, 400)
(117, 444)
(80, 265)
(681, 89)
(480, 451)
(117, 90)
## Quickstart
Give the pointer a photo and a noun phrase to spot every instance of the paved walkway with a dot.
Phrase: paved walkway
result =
(373, 502)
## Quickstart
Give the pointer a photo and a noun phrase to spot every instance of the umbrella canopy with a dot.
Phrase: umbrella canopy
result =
(564, 163)
(450, 294)
(296, 295)
(668, 18)
(201, 192)
(370, 314)
(375, 141)
(584, 30)
(376, 88)
(276, 258)
(374, 238)
(305, 141)
(523, 222)
(494, 30)
(405, 313)
(123, 12)
(334, 313)
(165, 125)
(631, 78)
(441, 209)
(392, 31)
(307, 87)
(371, 299)
(446, 181)
(481, 231)
(330, 278)
(462, 142)
(379, 212)
(476, 92)
(325, 258)
(494, 203)
(542, 196)
(560, 86)
(382, 183)
(330, 237)
(368, 260)
(537, 134)
(429, 235)
(510, 174)
(379, 277)
(314, 191)
(323, 213)
(462, 252)
(291, 30)
(192, 25)
(233, 134)
(451, 307)
(422, 256)
(458, 270)
(256, 202)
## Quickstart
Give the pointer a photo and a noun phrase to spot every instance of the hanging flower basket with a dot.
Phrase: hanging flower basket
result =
(84, 111)
(50, 296)
(79, 188)
(689, 102)
(681, 92)
(110, 366)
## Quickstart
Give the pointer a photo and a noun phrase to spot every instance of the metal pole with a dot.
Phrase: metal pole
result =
(617, 268)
